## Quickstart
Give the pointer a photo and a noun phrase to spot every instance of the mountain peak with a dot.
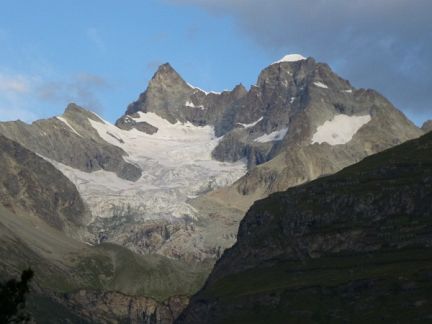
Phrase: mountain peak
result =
(167, 75)
(75, 112)
(164, 68)
(427, 126)
(291, 58)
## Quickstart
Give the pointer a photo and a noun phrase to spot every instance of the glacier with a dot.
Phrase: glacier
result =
(176, 165)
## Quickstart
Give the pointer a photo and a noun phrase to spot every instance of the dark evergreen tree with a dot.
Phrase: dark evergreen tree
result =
(12, 299)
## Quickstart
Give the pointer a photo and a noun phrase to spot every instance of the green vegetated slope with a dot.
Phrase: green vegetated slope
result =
(352, 247)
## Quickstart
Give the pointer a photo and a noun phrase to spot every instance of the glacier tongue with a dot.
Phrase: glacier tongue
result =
(177, 165)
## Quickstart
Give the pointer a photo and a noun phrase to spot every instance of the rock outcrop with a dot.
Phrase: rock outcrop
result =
(109, 307)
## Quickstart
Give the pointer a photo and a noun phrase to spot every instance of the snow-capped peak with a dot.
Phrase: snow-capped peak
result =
(291, 58)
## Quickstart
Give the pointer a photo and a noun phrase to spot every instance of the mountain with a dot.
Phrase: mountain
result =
(71, 140)
(427, 126)
(177, 172)
(351, 247)
(42, 225)
(173, 99)
(307, 122)
(162, 192)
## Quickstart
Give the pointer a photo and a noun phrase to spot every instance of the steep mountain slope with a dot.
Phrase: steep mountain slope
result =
(41, 225)
(30, 183)
(352, 247)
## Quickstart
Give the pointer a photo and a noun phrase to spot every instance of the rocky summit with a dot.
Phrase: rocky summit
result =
(427, 126)
(144, 207)
(352, 247)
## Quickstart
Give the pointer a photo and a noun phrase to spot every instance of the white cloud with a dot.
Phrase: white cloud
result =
(28, 97)
(14, 97)
(14, 83)
(81, 88)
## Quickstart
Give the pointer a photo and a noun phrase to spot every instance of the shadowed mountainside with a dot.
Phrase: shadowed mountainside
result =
(352, 247)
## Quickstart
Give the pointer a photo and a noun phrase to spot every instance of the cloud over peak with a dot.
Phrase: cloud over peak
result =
(382, 44)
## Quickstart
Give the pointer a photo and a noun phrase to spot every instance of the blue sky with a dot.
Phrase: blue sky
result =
(101, 54)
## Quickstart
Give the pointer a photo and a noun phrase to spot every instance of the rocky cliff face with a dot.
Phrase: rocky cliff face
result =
(352, 247)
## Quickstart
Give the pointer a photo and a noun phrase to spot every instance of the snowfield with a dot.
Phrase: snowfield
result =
(176, 165)
(64, 121)
(190, 104)
(321, 85)
(273, 136)
(291, 58)
(339, 130)
(251, 124)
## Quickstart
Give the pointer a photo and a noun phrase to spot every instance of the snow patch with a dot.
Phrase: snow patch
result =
(64, 121)
(251, 124)
(291, 58)
(292, 100)
(347, 91)
(190, 104)
(321, 85)
(273, 136)
(339, 130)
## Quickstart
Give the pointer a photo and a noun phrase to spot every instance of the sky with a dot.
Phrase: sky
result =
(101, 54)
